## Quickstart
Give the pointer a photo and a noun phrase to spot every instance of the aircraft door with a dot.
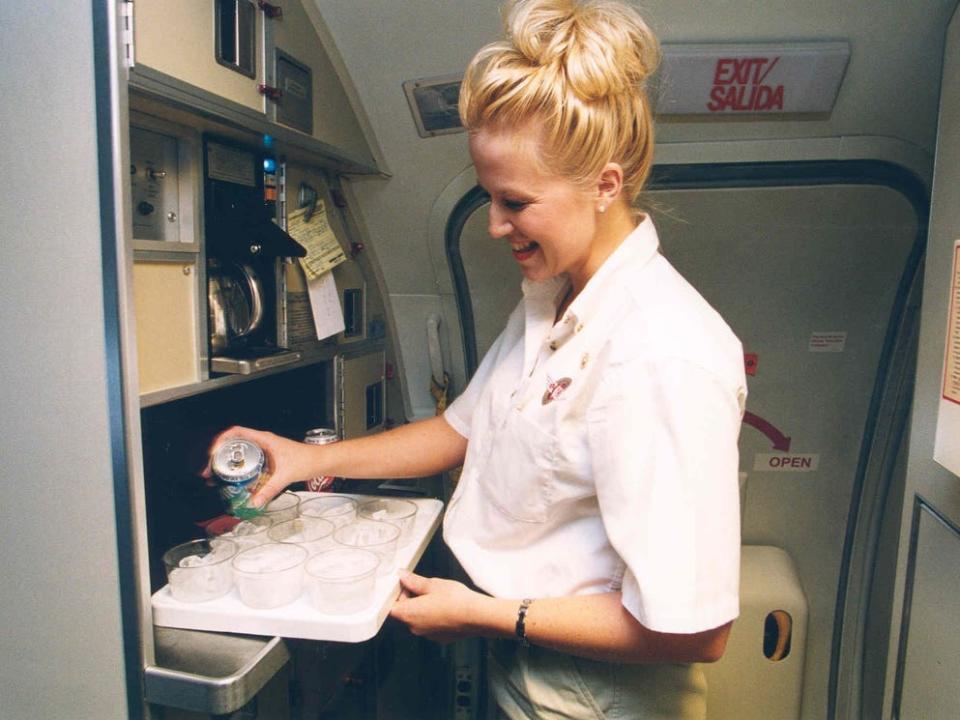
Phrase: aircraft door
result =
(813, 267)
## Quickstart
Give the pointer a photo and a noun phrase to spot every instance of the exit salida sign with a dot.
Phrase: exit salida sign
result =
(750, 79)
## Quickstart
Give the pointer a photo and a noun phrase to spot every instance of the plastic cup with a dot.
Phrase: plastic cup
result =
(200, 570)
(399, 512)
(373, 535)
(284, 506)
(269, 575)
(338, 509)
(342, 580)
(247, 533)
(313, 534)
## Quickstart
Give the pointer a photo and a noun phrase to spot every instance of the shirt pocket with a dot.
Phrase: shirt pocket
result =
(518, 473)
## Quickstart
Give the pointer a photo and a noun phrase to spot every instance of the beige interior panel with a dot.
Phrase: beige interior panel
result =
(359, 379)
(165, 302)
(177, 37)
(746, 684)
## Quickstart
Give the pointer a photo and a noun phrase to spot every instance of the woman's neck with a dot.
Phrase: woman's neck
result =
(613, 227)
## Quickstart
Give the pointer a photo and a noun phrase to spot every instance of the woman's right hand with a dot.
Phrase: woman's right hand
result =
(287, 461)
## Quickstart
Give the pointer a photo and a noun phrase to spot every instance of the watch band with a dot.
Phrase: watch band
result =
(521, 629)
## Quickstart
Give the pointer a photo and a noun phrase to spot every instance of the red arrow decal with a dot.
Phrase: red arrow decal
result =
(779, 440)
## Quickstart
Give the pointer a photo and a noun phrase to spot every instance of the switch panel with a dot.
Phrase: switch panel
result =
(154, 183)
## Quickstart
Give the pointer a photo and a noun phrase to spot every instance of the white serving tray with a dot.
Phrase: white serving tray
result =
(300, 619)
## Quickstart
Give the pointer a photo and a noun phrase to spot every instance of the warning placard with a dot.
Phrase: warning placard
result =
(951, 363)
(946, 447)
(786, 462)
(827, 342)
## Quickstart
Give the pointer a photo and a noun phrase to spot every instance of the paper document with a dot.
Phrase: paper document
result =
(325, 303)
(323, 248)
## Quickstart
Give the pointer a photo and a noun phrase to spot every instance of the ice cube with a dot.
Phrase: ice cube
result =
(247, 528)
(193, 561)
(222, 550)
(269, 557)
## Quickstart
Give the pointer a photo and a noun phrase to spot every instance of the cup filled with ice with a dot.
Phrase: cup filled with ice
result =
(312, 533)
(269, 575)
(341, 581)
(284, 506)
(200, 570)
(397, 511)
(373, 535)
(244, 534)
(338, 509)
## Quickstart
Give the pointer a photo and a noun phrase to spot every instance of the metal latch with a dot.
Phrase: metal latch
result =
(271, 11)
(270, 92)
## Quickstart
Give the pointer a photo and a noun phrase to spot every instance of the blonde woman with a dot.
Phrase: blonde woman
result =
(597, 511)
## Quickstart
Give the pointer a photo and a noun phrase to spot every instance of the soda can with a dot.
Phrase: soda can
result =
(320, 436)
(240, 467)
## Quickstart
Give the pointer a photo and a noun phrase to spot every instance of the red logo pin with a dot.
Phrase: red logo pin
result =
(555, 388)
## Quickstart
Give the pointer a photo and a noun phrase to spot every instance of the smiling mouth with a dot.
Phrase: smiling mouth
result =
(522, 252)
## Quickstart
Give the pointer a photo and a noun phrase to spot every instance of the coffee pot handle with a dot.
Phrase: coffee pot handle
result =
(255, 294)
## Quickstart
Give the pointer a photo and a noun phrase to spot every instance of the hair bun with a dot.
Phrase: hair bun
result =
(601, 48)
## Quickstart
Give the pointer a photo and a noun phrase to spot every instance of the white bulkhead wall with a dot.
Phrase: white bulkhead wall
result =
(62, 652)
(925, 648)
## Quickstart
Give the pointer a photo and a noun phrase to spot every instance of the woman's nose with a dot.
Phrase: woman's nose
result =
(498, 225)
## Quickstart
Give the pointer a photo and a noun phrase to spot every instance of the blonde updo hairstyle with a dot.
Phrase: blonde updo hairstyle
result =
(578, 70)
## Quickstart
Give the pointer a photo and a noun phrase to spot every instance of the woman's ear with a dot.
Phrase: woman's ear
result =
(609, 184)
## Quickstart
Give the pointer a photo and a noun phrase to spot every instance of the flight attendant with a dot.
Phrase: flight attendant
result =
(597, 513)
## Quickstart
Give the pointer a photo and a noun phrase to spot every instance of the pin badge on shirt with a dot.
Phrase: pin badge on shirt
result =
(555, 388)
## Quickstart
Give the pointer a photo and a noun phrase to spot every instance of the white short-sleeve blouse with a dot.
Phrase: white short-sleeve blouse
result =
(602, 449)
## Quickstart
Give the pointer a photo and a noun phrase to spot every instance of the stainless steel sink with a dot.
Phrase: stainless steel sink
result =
(214, 673)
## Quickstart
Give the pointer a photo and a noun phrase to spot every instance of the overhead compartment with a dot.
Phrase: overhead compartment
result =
(262, 66)
(179, 38)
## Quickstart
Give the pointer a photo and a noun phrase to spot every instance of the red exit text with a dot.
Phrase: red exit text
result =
(740, 85)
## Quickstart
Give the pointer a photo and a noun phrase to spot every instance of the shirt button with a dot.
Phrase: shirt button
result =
(584, 360)
(579, 327)
(553, 345)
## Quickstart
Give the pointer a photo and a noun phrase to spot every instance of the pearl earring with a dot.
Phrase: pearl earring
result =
(602, 208)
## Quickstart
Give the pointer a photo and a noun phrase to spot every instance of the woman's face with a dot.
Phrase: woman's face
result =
(548, 220)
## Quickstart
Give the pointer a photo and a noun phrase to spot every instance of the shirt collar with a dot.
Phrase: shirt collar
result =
(541, 298)
(635, 251)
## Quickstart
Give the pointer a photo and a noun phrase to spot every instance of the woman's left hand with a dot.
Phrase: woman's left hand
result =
(435, 608)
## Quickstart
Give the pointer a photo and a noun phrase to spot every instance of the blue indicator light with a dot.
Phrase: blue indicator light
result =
(268, 141)
(269, 165)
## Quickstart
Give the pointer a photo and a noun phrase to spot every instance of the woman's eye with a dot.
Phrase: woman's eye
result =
(514, 204)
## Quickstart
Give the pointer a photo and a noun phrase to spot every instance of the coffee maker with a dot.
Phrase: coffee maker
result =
(245, 251)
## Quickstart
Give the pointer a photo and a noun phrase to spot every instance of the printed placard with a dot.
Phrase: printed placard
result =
(951, 362)
(722, 79)
(946, 447)
(827, 342)
(785, 462)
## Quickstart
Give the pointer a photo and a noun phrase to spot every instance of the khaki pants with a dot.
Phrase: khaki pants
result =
(534, 683)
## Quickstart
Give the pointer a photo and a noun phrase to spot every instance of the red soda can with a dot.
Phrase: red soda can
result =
(320, 436)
